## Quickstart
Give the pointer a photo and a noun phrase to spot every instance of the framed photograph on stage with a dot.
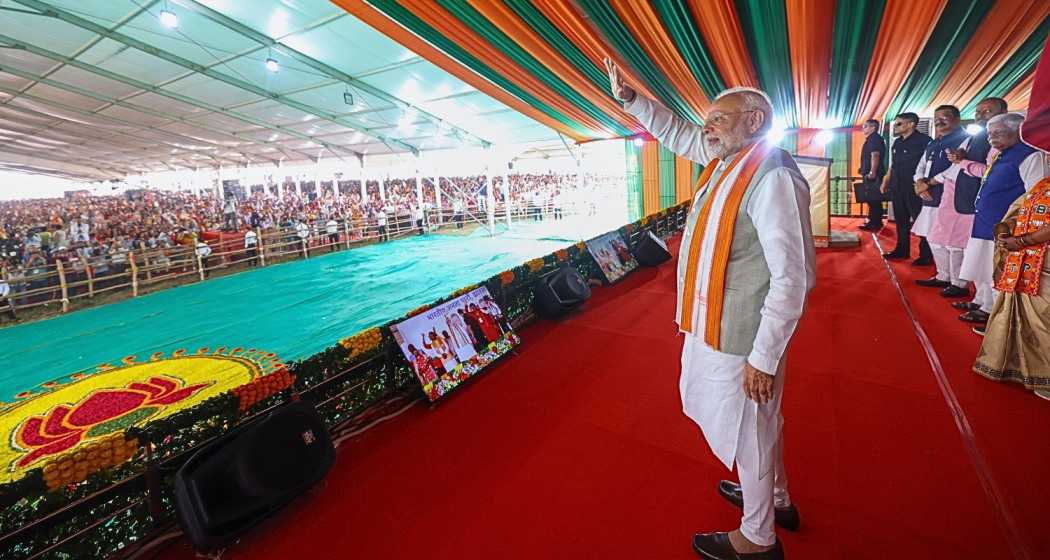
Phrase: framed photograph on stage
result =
(612, 255)
(454, 341)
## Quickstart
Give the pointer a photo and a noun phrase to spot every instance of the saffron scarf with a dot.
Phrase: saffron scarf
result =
(1022, 270)
(752, 157)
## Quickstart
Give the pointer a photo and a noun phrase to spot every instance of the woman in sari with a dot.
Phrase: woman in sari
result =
(1018, 332)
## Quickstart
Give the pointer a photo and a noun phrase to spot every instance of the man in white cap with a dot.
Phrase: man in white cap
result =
(745, 268)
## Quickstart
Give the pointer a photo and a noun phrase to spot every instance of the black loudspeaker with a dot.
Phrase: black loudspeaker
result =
(559, 292)
(650, 250)
(250, 473)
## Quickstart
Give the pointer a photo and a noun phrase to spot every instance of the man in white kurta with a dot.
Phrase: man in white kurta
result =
(734, 393)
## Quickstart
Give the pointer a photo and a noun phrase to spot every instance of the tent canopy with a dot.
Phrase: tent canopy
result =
(825, 63)
(101, 89)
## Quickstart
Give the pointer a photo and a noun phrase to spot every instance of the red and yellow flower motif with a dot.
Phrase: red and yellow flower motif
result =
(102, 413)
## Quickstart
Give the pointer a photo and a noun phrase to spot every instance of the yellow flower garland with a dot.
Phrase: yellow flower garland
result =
(364, 341)
(78, 464)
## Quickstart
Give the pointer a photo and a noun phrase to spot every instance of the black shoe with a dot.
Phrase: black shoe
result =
(975, 316)
(978, 330)
(955, 291)
(965, 305)
(922, 261)
(933, 283)
(894, 256)
(786, 517)
(716, 546)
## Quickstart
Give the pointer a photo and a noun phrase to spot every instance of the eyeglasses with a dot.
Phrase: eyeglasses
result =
(718, 119)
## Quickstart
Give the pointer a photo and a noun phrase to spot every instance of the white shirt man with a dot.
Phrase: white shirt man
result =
(733, 363)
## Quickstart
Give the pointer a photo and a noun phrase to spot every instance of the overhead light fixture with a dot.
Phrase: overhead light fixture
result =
(272, 65)
(824, 137)
(348, 98)
(973, 129)
(168, 19)
(639, 142)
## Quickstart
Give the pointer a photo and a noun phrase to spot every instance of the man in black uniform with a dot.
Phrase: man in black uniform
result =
(908, 150)
(872, 170)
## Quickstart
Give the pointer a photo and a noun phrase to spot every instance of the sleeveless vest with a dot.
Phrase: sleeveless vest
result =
(935, 152)
(966, 187)
(1002, 186)
(747, 274)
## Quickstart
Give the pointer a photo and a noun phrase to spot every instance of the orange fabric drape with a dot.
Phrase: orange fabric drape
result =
(406, 38)
(810, 25)
(1018, 97)
(720, 26)
(1001, 33)
(807, 144)
(650, 177)
(856, 147)
(504, 18)
(568, 20)
(906, 26)
(644, 24)
(683, 179)
(449, 25)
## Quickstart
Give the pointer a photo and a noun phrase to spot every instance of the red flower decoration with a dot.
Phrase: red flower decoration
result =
(103, 412)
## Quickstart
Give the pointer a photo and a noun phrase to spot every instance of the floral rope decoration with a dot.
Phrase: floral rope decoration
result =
(366, 340)
(562, 255)
(464, 290)
(535, 265)
(506, 278)
(76, 466)
(262, 388)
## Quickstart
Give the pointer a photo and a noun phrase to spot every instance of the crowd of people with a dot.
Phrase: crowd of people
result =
(978, 204)
(101, 231)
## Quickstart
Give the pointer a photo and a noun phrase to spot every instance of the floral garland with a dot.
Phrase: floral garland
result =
(464, 290)
(562, 255)
(506, 278)
(262, 388)
(535, 265)
(76, 466)
(369, 339)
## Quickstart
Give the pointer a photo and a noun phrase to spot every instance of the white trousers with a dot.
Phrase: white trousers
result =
(761, 496)
(949, 263)
(984, 296)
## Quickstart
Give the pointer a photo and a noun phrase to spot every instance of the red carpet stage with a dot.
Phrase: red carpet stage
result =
(578, 448)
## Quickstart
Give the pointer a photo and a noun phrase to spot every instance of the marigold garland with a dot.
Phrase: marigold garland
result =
(363, 342)
(506, 277)
(464, 290)
(262, 388)
(535, 265)
(562, 255)
(581, 246)
(77, 465)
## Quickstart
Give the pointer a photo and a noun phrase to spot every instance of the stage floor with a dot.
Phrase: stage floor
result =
(577, 448)
(293, 309)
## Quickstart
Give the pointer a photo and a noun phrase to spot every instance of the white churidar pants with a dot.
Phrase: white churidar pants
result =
(738, 429)
(949, 264)
(978, 261)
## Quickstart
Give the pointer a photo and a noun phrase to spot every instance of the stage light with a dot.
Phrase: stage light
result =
(169, 19)
(639, 142)
(973, 129)
(824, 137)
(777, 131)
(272, 65)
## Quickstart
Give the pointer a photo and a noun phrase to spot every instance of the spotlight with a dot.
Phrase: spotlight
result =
(639, 142)
(272, 66)
(973, 129)
(775, 135)
(824, 137)
(169, 19)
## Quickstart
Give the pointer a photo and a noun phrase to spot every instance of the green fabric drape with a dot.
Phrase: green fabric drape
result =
(764, 23)
(856, 29)
(1016, 69)
(697, 170)
(679, 24)
(838, 151)
(958, 22)
(667, 178)
(608, 22)
(498, 39)
(790, 143)
(633, 174)
(553, 36)
(396, 12)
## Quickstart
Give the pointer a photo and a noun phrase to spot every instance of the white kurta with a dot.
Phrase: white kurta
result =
(712, 381)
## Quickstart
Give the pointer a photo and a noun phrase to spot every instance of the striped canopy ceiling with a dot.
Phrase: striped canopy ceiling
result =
(825, 63)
